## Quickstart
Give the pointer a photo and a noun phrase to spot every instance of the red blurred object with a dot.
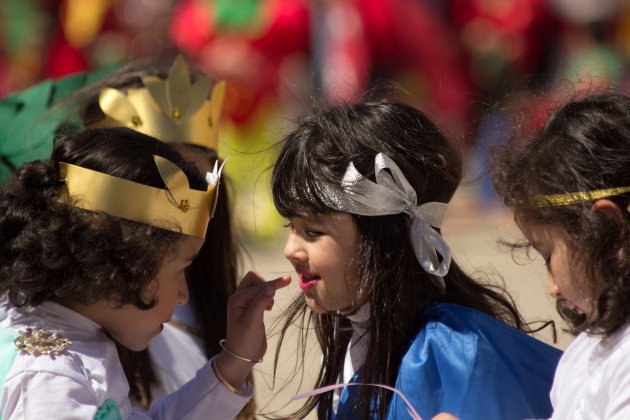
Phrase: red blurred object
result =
(250, 59)
(63, 59)
(518, 32)
(410, 39)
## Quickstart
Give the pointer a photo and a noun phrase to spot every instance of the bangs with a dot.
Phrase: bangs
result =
(299, 182)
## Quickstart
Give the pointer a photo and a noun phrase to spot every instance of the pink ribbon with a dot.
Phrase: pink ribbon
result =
(412, 412)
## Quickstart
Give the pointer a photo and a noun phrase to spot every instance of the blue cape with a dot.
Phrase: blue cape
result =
(469, 364)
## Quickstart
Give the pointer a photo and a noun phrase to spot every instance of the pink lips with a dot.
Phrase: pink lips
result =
(307, 280)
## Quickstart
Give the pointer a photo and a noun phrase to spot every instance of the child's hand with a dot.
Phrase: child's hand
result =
(246, 327)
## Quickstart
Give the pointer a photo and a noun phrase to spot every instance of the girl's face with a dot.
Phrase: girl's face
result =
(134, 327)
(552, 244)
(323, 249)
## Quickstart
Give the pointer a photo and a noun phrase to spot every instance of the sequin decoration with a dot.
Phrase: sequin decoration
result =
(39, 342)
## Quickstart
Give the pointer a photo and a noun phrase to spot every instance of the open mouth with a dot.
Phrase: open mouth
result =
(307, 280)
(570, 306)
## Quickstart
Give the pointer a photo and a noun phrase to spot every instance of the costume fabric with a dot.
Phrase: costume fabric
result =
(469, 364)
(86, 380)
(593, 378)
(31, 118)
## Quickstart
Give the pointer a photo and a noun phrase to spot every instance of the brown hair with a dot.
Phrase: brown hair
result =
(583, 146)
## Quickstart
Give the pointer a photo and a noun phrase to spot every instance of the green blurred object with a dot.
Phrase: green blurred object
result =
(30, 119)
(18, 19)
(236, 14)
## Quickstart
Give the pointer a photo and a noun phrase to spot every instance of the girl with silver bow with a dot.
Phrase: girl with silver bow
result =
(365, 188)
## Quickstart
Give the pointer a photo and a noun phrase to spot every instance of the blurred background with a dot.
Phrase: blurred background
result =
(471, 64)
(476, 66)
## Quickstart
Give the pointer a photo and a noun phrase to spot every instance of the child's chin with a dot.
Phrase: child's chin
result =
(313, 306)
(138, 347)
(135, 345)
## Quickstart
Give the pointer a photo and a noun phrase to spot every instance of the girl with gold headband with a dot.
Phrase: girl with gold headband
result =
(569, 188)
(94, 247)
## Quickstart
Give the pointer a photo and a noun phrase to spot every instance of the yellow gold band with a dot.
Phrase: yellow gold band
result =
(577, 197)
(225, 383)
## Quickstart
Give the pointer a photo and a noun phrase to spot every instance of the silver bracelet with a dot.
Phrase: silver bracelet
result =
(245, 359)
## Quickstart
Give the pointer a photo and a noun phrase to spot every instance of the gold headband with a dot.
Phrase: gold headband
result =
(174, 110)
(577, 197)
(177, 207)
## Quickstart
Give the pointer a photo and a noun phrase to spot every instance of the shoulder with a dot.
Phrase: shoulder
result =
(85, 357)
(71, 363)
(77, 380)
(460, 329)
(614, 351)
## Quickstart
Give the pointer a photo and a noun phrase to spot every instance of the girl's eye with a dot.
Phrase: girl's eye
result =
(547, 262)
(289, 225)
(312, 234)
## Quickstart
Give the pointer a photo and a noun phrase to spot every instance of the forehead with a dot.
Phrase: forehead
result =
(337, 218)
(186, 249)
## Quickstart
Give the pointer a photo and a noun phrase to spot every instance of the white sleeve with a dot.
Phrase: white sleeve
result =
(618, 389)
(45, 395)
(202, 397)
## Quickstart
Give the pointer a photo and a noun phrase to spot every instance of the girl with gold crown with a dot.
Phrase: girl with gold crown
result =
(569, 188)
(165, 102)
(94, 247)
(137, 96)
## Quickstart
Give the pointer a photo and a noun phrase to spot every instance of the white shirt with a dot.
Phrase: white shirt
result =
(176, 355)
(357, 349)
(75, 383)
(593, 378)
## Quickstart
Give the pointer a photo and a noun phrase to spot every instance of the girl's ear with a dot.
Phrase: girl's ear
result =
(607, 207)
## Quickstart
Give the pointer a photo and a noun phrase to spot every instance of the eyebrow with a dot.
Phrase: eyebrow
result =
(315, 218)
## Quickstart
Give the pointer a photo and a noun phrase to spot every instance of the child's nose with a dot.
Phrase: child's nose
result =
(293, 250)
(552, 287)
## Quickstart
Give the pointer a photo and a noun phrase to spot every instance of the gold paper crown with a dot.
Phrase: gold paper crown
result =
(552, 200)
(177, 207)
(174, 110)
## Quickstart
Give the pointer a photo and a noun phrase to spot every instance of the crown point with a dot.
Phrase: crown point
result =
(136, 121)
(210, 121)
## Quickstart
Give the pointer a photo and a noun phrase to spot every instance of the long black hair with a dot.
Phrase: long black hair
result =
(317, 152)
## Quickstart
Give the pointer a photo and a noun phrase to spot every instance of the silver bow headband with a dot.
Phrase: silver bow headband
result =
(392, 194)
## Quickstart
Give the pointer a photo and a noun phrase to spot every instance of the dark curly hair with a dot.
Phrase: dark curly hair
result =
(53, 251)
(317, 152)
(584, 146)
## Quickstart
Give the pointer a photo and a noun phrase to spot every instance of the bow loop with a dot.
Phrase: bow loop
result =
(393, 194)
